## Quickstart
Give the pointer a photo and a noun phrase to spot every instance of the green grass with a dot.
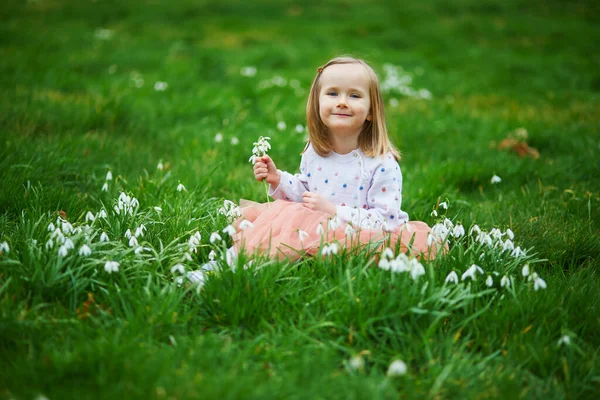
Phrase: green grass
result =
(70, 111)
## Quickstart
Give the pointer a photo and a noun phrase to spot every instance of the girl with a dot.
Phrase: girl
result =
(348, 190)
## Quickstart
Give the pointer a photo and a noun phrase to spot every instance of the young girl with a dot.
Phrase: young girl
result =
(348, 190)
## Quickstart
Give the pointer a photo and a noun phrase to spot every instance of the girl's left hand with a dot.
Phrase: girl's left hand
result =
(316, 202)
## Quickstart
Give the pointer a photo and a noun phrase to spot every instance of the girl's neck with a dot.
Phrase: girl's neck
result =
(344, 145)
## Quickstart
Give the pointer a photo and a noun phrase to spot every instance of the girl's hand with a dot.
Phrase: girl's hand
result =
(316, 202)
(265, 169)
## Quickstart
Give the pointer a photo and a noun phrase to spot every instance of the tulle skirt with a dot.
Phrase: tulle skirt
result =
(287, 230)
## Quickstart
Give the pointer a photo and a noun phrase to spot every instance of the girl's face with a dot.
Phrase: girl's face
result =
(344, 101)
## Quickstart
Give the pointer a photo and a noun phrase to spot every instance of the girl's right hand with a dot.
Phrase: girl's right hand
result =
(265, 169)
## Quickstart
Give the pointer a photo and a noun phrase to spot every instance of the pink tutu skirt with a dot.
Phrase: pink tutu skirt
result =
(287, 230)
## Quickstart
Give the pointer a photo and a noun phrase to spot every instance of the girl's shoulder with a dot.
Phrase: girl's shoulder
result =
(384, 160)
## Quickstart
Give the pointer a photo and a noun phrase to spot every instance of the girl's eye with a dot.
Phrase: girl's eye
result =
(355, 96)
(331, 93)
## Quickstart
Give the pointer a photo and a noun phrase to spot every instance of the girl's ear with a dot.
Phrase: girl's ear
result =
(369, 117)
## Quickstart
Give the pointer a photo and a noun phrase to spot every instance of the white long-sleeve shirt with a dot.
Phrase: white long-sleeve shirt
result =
(367, 191)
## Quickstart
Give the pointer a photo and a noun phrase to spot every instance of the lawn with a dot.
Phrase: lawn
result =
(125, 125)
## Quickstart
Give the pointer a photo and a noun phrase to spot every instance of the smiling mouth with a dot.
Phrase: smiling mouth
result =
(343, 115)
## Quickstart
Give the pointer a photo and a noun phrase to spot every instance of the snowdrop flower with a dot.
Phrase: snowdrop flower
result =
(4, 247)
(111, 266)
(525, 270)
(229, 229)
(333, 224)
(180, 188)
(103, 34)
(160, 86)
(302, 235)
(440, 231)
(248, 71)
(565, 340)
(63, 251)
(517, 252)
(299, 128)
(475, 229)
(230, 210)
(215, 237)
(139, 231)
(281, 125)
(320, 230)
(245, 224)
(495, 179)
(384, 264)
(508, 245)
(510, 234)
(105, 187)
(332, 248)
(109, 176)
(505, 282)
(356, 363)
(85, 250)
(178, 268)
(212, 255)
(416, 268)
(496, 234)
(387, 254)
(104, 237)
(51, 227)
(430, 240)
(133, 242)
(489, 281)
(102, 214)
(434, 213)
(187, 256)
(68, 243)
(349, 231)
(458, 231)
(219, 137)
(138, 250)
(158, 209)
(452, 278)
(67, 227)
(470, 272)
(444, 205)
(160, 166)
(128, 233)
(260, 148)
(400, 264)
(49, 244)
(538, 283)
(235, 141)
(397, 368)
(89, 217)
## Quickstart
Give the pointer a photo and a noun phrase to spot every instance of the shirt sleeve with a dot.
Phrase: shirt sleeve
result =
(384, 198)
(291, 187)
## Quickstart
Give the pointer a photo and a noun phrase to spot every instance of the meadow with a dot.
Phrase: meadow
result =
(126, 125)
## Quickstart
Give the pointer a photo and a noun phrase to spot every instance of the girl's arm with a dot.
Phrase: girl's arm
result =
(291, 187)
(384, 198)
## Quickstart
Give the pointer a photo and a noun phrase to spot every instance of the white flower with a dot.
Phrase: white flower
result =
(68, 243)
(133, 242)
(248, 71)
(538, 283)
(430, 240)
(508, 245)
(400, 264)
(219, 137)
(103, 34)
(349, 231)
(496, 234)
(51, 227)
(139, 231)
(180, 188)
(260, 148)
(387, 253)
(475, 229)
(235, 141)
(111, 266)
(109, 176)
(302, 235)
(510, 234)
(333, 224)
(384, 264)
(320, 230)
(102, 214)
(505, 282)
(525, 270)
(397, 368)
(458, 231)
(416, 268)
(452, 278)
(187, 256)
(49, 244)
(128, 233)
(440, 231)
(517, 252)
(495, 179)
(104, 237)
(332, 248)
(299, 128)
(229, 229)
(215, 237)
(444, 205)
(67, 228)
(470, 272)
(85, 250)
(434, 213)
(356, 363)
(158, 209)
(245, 224)
(178, 268)
(63, 251)
(160, 86)
(160, 166)
(565, 340)
(489, 281)
(4, 247)
(212, 255)
(105, 187)
(138, 250)
(89, 217)
(281, 125)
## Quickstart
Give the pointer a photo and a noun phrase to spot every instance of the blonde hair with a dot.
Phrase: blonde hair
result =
(373, 139)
